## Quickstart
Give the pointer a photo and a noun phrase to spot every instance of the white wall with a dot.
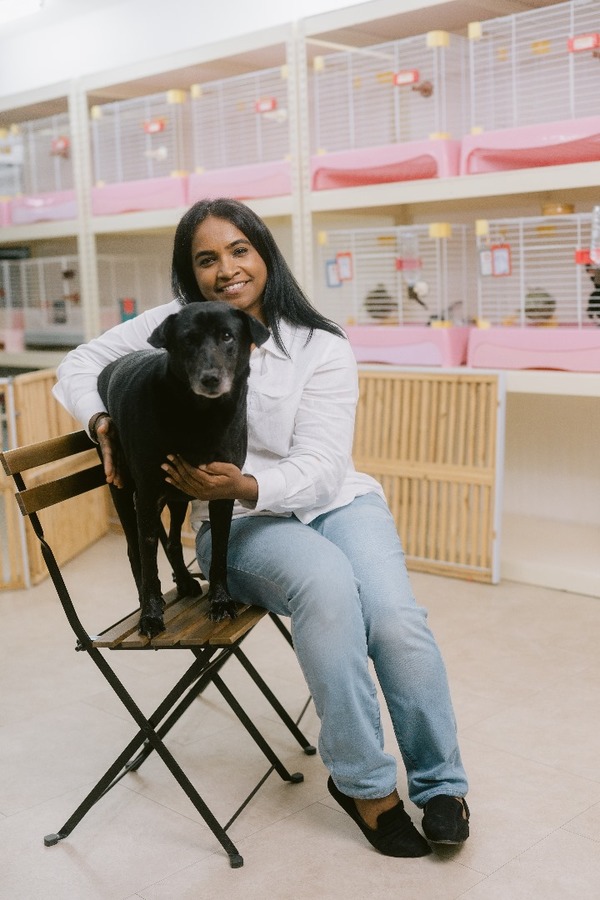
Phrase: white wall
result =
(128, 31)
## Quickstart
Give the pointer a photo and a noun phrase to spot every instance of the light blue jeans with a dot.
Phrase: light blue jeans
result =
(343, 581)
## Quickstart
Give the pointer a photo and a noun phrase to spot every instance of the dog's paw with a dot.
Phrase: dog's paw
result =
(151, 617)
(188, 587)
(222, 610)
(151, 626)
(221, 607)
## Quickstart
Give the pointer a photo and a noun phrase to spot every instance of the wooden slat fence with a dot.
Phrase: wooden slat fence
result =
(433, 441)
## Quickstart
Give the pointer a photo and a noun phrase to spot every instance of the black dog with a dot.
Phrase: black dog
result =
(189, 400)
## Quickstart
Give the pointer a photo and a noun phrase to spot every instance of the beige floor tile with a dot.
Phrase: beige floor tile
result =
(124, 843)
(561, 867)
(338, 863)
(525, 677)
(557, 726)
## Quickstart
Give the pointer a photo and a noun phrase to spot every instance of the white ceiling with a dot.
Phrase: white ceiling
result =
(53, 13)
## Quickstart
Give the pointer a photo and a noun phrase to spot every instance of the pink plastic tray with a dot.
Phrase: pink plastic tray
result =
(5, 213)
(272, 179)
(409, 345)
(530, 146)
(137, 196)
(46, 207)
(379, 165)
(570, 348)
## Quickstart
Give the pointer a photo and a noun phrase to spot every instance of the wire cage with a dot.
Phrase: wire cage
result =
(534, 79)
(40, 299)
(400, 292)
(538, 295)
(141, 152)
(47, 186)
(11, 163)
(389, 112)
(241, 136)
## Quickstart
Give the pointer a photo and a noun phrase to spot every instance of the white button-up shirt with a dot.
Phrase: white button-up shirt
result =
(301, 411)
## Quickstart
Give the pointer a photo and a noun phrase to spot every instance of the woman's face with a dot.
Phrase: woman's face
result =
(227, 267)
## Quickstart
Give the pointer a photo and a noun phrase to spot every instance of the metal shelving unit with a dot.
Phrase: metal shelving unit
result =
(299, 216)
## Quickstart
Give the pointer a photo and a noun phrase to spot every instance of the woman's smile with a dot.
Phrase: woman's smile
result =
(227, 266)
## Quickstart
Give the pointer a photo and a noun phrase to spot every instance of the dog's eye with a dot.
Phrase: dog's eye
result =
(227, 337)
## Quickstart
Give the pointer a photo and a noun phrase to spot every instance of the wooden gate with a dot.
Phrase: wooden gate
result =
(435, 443)
(30, 413)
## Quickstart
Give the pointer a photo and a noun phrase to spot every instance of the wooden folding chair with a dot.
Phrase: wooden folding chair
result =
(188, 628)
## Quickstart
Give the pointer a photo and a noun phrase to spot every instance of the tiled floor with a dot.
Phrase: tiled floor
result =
(524, 669)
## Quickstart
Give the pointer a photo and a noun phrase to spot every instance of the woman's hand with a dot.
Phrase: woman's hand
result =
(103, 429)
(215, 481)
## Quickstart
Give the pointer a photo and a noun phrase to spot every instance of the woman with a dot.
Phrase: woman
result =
(311, 537)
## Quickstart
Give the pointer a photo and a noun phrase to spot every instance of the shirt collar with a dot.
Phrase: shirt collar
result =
(287, 332)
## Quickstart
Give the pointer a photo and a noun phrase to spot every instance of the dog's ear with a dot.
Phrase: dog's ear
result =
(160, 337)
(259, 333)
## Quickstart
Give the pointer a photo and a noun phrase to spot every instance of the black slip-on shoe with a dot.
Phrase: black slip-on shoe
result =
(446, 820)
(395, 834)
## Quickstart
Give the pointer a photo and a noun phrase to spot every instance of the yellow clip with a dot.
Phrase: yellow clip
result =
(176, 96)
(440, 136)
(96, 112)
(440, 230)
(475, 31)
(540, 48)
(438, 39)
(482, 227)
(322, 238)
(318, 63)
(178, 173)
(196, 91)
(476, 129)
(440, 323)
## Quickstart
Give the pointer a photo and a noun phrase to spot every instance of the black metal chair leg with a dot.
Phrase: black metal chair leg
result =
(253, 731)
(270, 696)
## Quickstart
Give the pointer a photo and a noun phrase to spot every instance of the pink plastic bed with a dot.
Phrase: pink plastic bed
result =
(5, 213)
(379, 165)
(43, 207)
(546, 144)
(569, 348)
(137, 196)
(409, 345)
(269, 179)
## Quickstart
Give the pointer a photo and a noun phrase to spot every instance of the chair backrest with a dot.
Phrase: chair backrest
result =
(187, 619)
(54, 489)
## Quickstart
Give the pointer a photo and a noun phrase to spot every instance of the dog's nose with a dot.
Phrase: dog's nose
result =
(210, 380)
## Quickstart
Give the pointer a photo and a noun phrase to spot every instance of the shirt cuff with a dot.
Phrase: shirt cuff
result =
(271, 490)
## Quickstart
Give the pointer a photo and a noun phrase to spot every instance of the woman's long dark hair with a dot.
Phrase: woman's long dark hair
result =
(283, 297)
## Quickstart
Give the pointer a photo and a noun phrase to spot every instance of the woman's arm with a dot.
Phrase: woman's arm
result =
(76, 387)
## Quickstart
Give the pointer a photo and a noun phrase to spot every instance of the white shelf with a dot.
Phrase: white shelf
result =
(459, 188)
(526, 381)
(31, 359)
(566, 384)
(167, 219)
(39, 231)
(551, 553)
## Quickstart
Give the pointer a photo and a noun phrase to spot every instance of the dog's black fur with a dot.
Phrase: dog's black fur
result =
(191, 401)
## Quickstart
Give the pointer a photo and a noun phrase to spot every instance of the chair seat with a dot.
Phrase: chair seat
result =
(187, 625)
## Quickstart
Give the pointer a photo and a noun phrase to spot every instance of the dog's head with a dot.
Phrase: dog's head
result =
(209, 345)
